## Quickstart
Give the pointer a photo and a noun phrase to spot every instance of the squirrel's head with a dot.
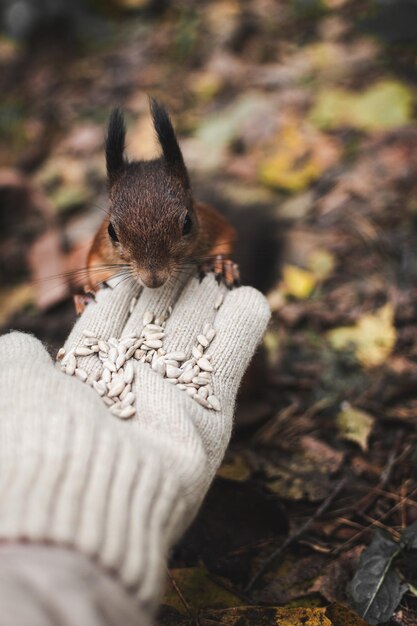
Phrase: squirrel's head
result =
(153, 226)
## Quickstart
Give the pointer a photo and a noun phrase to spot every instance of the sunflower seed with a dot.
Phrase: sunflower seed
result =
(201, 401)
(116, 389)
(173, 372)
(127, 412)
(127, 342)
(121, 349)
(191, 391)
(139, 354)
(153, 327)
(197, 352)
(130, 352)
(71, 365)
(100, 387)
(120, 361)
(203, 392)
(82, 351)
(106, 375)
(81, 374)
(113, 354)
(214, 403)
(173, 381)
(171, 362)
(108, 401)
(203, 340)
(198, 380)
(88, 333)
(205, 364)
(176, 356)
(115, 411)
(109, 365)
(129, 372)
(90, 341)
(186, 377)
(188, 364)
(125, 391)
(128, 399)
(160, 367)
(60, 354)
(147, 318)
(153, 343)
(210, 335)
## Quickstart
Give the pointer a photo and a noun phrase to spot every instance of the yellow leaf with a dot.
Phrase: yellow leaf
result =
(355, 425)
(301, 156)
(298, 282)
(235, 467)
(372, 338)
(321, 262)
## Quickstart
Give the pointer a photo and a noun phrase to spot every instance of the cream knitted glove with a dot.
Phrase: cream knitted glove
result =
(122, 491)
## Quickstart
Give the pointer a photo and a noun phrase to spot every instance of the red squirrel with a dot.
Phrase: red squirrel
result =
(155, 227)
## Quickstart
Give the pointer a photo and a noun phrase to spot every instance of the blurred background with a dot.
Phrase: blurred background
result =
(297, 118)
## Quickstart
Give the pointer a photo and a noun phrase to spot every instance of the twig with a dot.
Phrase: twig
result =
(290, 540)
(393, 458)
(397, 506)
(180, 594)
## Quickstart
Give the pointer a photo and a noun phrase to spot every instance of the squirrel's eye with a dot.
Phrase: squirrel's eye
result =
(112, 232)
(186, 229)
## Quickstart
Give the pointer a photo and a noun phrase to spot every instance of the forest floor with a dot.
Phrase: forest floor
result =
(298, 118)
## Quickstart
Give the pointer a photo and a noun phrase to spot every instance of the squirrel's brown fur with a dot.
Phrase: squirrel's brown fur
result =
(155, 226)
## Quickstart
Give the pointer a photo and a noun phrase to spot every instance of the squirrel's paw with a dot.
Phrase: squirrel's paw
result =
(226, 271)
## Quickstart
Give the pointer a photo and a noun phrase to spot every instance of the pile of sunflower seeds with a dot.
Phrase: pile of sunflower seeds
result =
(113, 382)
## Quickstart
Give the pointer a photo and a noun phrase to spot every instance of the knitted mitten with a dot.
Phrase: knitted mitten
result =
(120, 486)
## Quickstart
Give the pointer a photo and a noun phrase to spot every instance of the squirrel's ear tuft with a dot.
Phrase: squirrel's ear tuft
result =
(115, 144)
(168, 141)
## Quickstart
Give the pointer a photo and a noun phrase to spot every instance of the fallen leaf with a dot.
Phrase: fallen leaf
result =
(386, 104)
(376, 588)
(298, 282)
(301, 155)
(355, 425)
(235, 467)
(321, 263)
(373, 337)
(296, 475)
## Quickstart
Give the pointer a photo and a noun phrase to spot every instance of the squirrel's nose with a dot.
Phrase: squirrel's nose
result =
(153, 279)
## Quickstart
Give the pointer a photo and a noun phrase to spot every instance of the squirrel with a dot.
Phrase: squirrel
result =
(154, 226)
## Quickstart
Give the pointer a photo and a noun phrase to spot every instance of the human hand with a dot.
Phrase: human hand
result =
(121, 491)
